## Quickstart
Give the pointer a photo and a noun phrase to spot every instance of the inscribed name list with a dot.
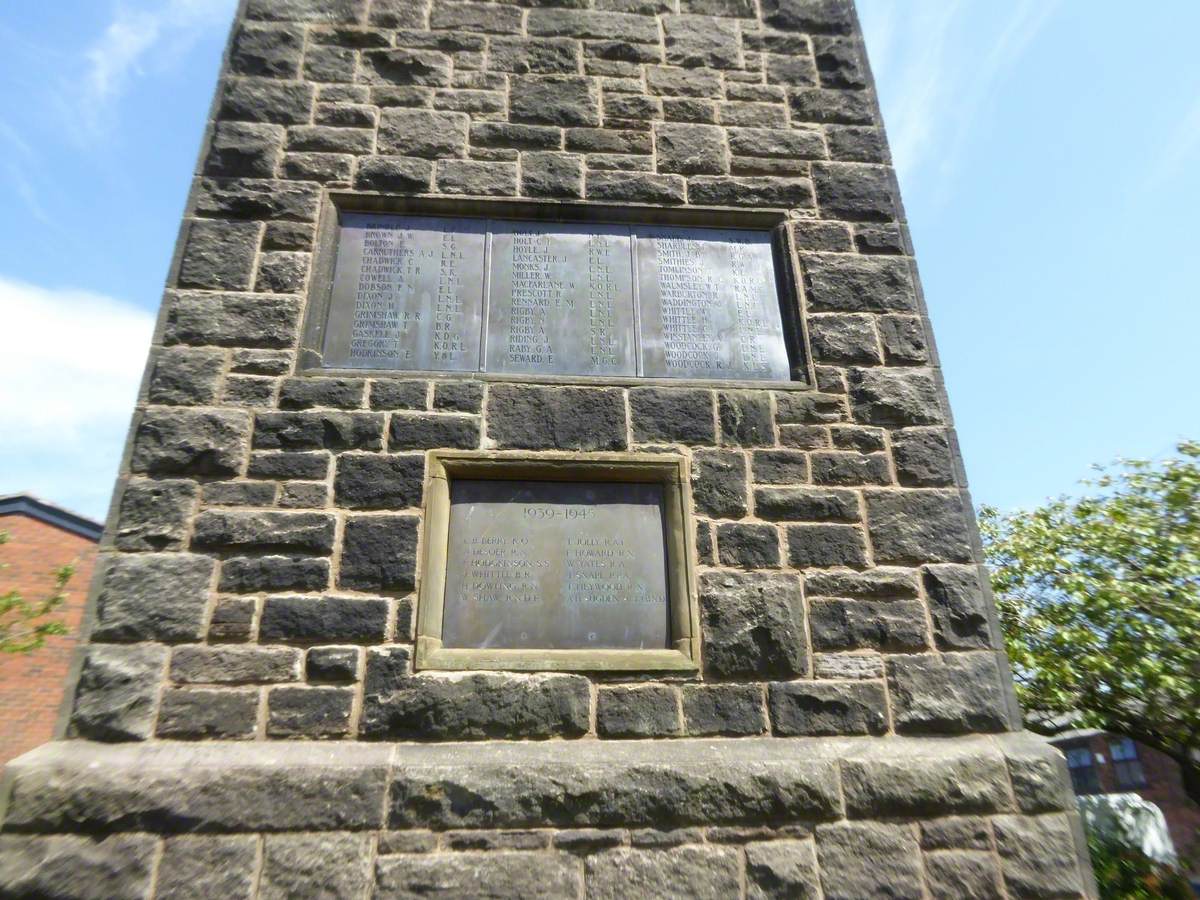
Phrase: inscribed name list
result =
(555, 565)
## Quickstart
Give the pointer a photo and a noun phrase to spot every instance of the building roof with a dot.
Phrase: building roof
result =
(27, 505)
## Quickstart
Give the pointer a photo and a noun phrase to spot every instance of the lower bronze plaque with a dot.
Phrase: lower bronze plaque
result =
(556, 566)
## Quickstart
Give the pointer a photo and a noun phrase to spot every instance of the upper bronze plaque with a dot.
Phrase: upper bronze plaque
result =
(425, 293)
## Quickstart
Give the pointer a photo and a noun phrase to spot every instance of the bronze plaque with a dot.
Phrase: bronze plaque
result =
(443, 294)
(556, 566)
(560, 300)
(407, 294)
(709, 305)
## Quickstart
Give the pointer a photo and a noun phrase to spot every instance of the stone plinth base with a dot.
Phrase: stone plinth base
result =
(977, 816)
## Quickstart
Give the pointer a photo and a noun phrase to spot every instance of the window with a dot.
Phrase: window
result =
(1128, 767)
(1083, 773)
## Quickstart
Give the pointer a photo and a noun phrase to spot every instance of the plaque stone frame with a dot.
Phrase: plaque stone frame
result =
(773, 221)
(682, 652)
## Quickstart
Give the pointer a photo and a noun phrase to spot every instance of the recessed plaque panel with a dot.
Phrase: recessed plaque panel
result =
(709, 305)
(407, 294)
(556, 565)
(560, 300)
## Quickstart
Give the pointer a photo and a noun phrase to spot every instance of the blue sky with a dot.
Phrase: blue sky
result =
(1049, 157)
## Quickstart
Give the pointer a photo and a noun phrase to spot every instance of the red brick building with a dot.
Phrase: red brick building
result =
(1103, 763)
(42, 539)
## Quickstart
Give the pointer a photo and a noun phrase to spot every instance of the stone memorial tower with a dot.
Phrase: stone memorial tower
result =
(542, 486)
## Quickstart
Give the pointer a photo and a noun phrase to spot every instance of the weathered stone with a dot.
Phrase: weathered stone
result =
(207, 714)
(303, 495)
(537, 876)
(876, 584)
(241, 390)
(682, 82)
(240, 320)
(844, 339)
(850, 468)
(399, 394)
(334, 665)
(700, 41)
(818, 235)
(71, 866)
(282, 273)
(379, 553)
(923, 458)
(809, 15)
(309, 711)
(719, 483)
(1039, 774)
(153, 597)
(232, 619)
(748, 545)
(169, 442)
(587, 840)
(154, 514)
(248, 575)
(947, 693)
(318, 431)
(846, 283)
(779, 467)
(589, 24)
(497, 840)
(315, 865)
(406, 842)
(541, 56)
(251, 198)
(956, 833)
(458, 396)
(423, 432)
(843, 666)
(234, 665)
(790, 143)
(911, 527)
(423, 132)
(272, 51)
(117, 691)
(305, 393)
(854, 193)
(909, 782)
(826, 545)
(959, 873)
(665, 415)
(551, 175)
(805, 504)
(311, 620)
(750, 190)
(817, 708)
(295, 532)
(827, 107)
(244, 149)
(753, 625)
(541, 418)
(327, 168)
(745, 418)
(475, 705)
(266, 100)
(201, 867)
(691, 149)
(285, 465)
(561, 100)
(726, 709)
(808, 409)
(484, 179)
(371, 481)
(867, 859)
(1037, 856)
(758, 115)
(507, 135)
(958, 608)
(394, 174)
(867, 624)
(782, 869)
(237, 493)
(406, 67)
(895, 397)
(630, 187)
(637, 711)
(689, 871)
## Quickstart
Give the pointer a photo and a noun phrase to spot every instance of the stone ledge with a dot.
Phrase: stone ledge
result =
(229, 787)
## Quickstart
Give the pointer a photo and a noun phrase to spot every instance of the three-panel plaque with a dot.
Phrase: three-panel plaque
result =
(442, 294)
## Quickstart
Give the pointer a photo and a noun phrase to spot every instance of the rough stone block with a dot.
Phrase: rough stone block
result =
(305, 393)
(458, 396)
(912, 527)
(831, 107)
(237, 493)
(748, 545)
(826, 545)
(394, 174)
(876, 584)
(207, 714)
(379, 553)
(154, 514)
(271, 51)
(370, 481)
(238, 320)
(838, 338)
(809, 409)
(724, 709)
(234, 665)
(805, 504)
(591, 24)
(959, 609)
(745, 418)
(719, 483)
(333, 665)
(782, 869)
(635, 187)
(854, 193)
(691, 149)
(479, 874)
(753, 625)
(195, 867)
(422, 432)
(399, 394)
(117, 692)
(286, 532)
(847, 283)
(252, 198)
(251, 574)
(956, 833)
(750, 190)
(317, 12)
(868, 859)
(170, 442)
(824, 708)
(850, 468)
(481, 179)
(76, 866)
(867, 624)
(423, 133)
(672, 416)
(779, 467)
(541, 56)
(903, 339)
(637, 711)
(689, 871)
(923, 458)
(315, 865)
(184, 376)
(551, 175)
(282, 273)
(701, 41)
(543, 418)
(562, 100)
(406, 67)
(318, 431)
(309, 711)
(219, 255)
(286, 465)
(947, 693)
(312, 620)
(924, 781)
(153, 597)
(1037, 856)
(266, 100)
(895, 397)
(962, 873)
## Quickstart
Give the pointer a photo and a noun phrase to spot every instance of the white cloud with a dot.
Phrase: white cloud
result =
(69, 376)
(141, 39)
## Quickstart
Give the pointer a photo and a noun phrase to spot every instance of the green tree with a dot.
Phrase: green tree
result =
(25, 625)
(1099, 599)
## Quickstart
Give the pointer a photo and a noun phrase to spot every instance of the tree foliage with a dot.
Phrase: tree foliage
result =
(1099, 598)
(25, 624)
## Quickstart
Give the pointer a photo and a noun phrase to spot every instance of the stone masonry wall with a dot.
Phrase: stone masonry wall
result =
(261, 560)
